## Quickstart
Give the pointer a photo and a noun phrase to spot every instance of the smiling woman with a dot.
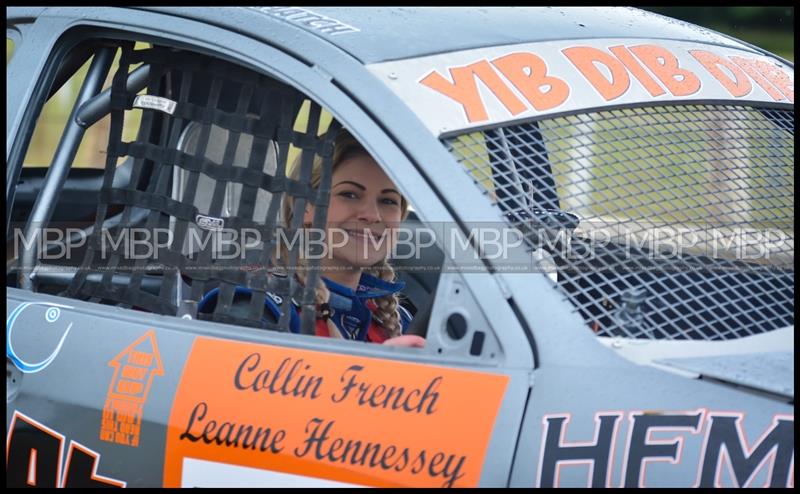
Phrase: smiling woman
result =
(357, 296)
(347, 227)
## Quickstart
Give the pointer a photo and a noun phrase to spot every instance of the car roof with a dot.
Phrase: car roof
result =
(379, 34)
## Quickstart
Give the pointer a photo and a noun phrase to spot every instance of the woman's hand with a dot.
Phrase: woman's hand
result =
(406, 340)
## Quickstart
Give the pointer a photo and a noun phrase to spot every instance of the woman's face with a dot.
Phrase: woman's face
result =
(364, 209)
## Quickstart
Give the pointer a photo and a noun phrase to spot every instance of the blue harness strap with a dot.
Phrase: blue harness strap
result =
(272, 311)
(349, 311)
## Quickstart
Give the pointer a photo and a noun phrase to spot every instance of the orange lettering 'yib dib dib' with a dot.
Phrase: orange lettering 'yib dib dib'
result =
(660, 61)
(769, 77)
(528, 73)
(738, 86)
(586, 58)
(665, 66)
(464, 89)
(521, 81)
(637, 70)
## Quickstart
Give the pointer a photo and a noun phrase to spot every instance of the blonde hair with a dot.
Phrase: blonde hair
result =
(386, 314)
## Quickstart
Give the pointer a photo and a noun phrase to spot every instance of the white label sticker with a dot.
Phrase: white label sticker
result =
(202, 473)
(209, 222)
(154, 103)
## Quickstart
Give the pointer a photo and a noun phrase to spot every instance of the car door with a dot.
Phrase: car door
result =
(115, 378)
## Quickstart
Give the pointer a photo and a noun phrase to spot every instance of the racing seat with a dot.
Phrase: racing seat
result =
(217, 139)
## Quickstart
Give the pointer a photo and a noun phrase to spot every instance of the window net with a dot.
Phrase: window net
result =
(198, 194)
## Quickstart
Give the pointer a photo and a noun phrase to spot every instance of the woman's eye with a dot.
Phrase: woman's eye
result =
(390, 201)
(348, 194)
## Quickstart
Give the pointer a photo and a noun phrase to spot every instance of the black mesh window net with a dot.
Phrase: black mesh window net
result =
(667, 222)
(209, 173)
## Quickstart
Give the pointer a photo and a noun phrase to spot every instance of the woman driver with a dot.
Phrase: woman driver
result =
(357, 297)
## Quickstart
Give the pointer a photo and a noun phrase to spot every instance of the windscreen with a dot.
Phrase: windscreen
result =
(661, 222)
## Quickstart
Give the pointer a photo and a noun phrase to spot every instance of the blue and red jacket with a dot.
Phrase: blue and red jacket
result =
(352, 312)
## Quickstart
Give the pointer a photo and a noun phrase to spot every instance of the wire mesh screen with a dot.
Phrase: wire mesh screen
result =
(670, 222)
(201, 195)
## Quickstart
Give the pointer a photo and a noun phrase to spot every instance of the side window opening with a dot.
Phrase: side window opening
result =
(196, 158)
(198, 150)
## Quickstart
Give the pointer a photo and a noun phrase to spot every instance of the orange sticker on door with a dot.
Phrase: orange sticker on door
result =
(249, 415)
(134, 370)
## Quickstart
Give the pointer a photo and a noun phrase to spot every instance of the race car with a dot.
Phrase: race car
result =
(599, 255)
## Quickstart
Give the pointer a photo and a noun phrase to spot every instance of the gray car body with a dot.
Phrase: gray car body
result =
(558, 372)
